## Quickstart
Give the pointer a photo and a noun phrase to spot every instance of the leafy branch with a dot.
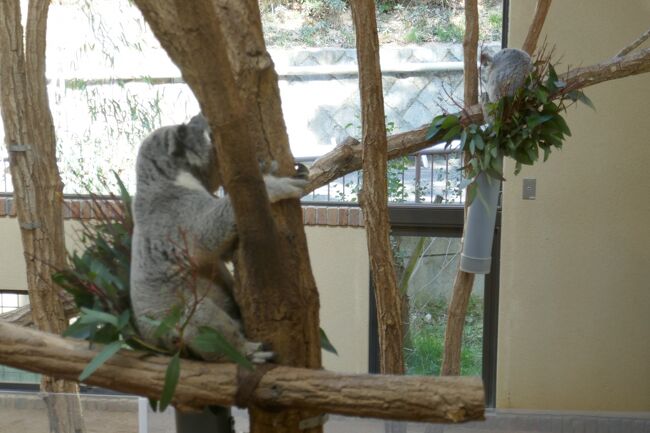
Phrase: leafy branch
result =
(521, 126)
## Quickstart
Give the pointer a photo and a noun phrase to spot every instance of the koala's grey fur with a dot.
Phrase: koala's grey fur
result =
(175, 216)
(506, 72)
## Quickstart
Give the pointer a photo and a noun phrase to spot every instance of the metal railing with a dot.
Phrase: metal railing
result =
(430, 176)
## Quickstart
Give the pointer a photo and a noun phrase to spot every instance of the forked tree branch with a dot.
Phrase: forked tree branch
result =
(414, 398)
(346, 157)
(535, 29)
(374, 195)
(641, 39)
(464, 281)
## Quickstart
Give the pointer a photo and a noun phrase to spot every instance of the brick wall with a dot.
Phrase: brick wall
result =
(86, 209)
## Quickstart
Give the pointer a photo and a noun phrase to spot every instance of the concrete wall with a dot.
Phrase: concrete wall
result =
(574, 325)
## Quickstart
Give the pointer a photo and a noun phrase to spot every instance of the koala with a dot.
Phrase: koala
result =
(506, 72)
(177, 220)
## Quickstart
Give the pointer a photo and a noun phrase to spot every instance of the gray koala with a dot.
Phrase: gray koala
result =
(182, 235)
(506, 72)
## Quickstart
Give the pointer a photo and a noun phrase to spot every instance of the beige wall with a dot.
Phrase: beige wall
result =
(340, 265)
(574, 325)
(339, 260)
(12, 263)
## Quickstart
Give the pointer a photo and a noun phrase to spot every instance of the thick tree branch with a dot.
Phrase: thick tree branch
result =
(219, 48)
(641, 39)
(374, 195)
(535, 29)
(415, 398)
(470, 51)
(464, 282)
(346, 158)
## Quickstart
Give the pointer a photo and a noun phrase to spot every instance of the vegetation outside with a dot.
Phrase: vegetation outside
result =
(318, 23)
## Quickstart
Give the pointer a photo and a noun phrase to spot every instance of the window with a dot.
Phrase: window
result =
(426, 245)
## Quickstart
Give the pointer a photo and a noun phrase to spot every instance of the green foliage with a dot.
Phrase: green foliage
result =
(449, 32)
(426, 339)
(98, 280)
(520, 127)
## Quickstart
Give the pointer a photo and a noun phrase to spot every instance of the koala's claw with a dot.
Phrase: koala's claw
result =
(256, 354)
(281, 188)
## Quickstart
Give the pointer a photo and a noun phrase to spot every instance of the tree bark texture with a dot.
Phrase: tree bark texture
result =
(374, 195)
(456, 313)
(346, 157)
(464, 282)
(219, 48)
(535, 29)
(413, 398)
(30, 140)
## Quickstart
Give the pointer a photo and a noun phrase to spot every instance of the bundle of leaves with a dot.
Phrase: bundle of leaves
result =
(98, 280)
(520, 126)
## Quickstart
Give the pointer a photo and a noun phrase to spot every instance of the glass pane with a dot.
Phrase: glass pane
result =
(10, 301)
(426, 268)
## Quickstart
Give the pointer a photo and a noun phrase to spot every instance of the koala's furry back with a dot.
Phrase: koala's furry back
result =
(176, 218)
(507, 71)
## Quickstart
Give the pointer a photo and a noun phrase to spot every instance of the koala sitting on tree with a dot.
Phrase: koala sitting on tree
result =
(177, 219)
(506, 72)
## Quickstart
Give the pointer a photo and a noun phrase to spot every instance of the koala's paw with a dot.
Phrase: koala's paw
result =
(281, 188)
(256, 353)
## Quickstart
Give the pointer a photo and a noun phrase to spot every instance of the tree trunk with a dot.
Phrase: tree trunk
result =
(374, 195)
(30, 140)
(464, 281)
(412, 398)
(213, 42)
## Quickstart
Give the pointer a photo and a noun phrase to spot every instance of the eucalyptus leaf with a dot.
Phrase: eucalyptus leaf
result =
(79, 330)
(325, 343)
(211, 341)
(107, 352)
(472, 189)
(89, 316)
(585, 100)
(169, 322)
(171, 380)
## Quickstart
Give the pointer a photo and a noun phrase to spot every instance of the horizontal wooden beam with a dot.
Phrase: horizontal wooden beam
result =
(412, 398)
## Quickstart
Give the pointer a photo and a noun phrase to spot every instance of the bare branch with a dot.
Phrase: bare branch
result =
(374, 196)
(535, 29)
(470, 49)
(641, 39)
(416, 398)
(634, 63)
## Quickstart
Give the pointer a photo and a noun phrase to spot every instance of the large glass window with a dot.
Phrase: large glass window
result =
(426, 245)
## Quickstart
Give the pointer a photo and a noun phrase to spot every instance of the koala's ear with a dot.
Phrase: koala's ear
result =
(177, 142)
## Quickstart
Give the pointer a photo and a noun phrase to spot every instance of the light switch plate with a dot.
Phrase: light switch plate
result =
(530, 189)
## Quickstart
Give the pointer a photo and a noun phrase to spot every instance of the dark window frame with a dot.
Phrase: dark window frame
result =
(447, 221)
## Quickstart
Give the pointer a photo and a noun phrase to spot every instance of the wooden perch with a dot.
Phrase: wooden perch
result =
(346, 157)
(413, 398)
